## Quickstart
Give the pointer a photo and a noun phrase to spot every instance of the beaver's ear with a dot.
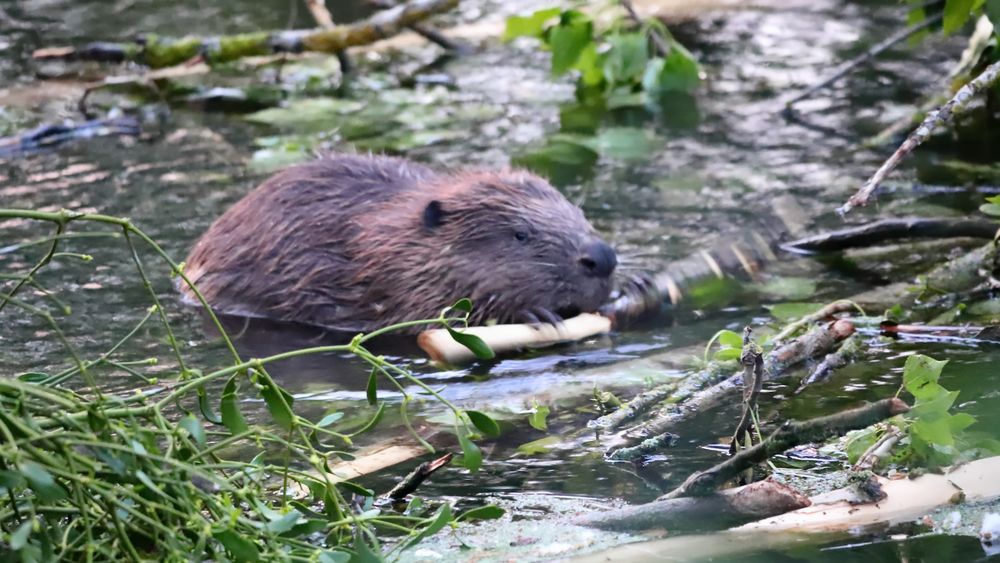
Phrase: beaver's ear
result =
(433, 214)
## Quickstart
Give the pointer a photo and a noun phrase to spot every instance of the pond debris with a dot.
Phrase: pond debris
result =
(789, 435)
(158, 52)
(850, 350)
(51, 135)
(776, 363)
(885, 230)
(726, 508)
(645, 448)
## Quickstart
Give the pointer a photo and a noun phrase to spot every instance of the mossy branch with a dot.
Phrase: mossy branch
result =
(158, 52)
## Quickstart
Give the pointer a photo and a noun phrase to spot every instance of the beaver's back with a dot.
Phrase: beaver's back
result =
(296, 261)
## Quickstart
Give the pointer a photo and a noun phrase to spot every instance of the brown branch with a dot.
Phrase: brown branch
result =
(845, 68)
(753, 381)
(789, 435)
(933, 120)
(418, 476)
(886, 230)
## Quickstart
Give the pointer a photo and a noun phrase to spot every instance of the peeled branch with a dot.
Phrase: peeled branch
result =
(442, 348)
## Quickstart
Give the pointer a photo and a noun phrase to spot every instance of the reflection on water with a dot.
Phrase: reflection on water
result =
(723, 156)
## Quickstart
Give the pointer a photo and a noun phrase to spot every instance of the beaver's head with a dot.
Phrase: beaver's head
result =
(515, 246)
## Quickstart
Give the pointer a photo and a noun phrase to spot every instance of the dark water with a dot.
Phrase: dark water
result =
(721, 158)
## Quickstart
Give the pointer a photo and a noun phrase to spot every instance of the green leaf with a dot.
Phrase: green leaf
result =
(937, 405)
(239, 547)
(484, 423)
(920, 376)
(330, 419)
(790, 288)
(441, 519)
(371, 390)
(730, 339)
(33, 377)
(563, 160)
(625, 143)
(626, 59)
(727, 354)
(230, 409)
(539, 418)
(371, 423)
(488, 512)
(568, 40)
(529, 26)
(363, 553)
(284, 523)
(41, 481)
(935, 431)
(678, 72)
(956, 13)
(990, 209)
(278, 403)
(194, 428)
(206, 407)
(473, 343)
(19, 538)
(464, 304)
(472, 457)
(334, 557)
(591, 66)
(539, 446)
(356, 489)
(960, 421)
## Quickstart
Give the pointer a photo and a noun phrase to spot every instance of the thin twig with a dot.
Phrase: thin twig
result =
(845, 68)
(933, 120)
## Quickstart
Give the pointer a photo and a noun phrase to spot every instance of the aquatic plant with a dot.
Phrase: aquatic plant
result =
(90, 474)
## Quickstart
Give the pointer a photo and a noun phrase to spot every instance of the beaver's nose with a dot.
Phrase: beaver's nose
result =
(598, 259)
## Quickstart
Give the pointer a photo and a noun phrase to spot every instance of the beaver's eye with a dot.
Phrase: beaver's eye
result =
(521, 236)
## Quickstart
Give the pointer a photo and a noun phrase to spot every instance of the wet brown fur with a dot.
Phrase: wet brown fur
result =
(344, 242)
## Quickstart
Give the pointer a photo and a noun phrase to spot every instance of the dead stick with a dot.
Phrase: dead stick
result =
(418, 476)
(776, 363)
(845, 68)
(789, 435)
(933, 120)
(886, 230)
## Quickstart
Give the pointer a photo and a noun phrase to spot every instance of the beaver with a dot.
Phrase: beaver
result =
(354, 243)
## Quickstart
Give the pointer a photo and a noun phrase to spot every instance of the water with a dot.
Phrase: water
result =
(722, 158)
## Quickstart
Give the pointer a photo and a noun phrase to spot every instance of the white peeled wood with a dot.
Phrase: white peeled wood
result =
(442, 348)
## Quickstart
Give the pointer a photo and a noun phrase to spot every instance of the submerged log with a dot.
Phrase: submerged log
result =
(886, 230)
(726, 508)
